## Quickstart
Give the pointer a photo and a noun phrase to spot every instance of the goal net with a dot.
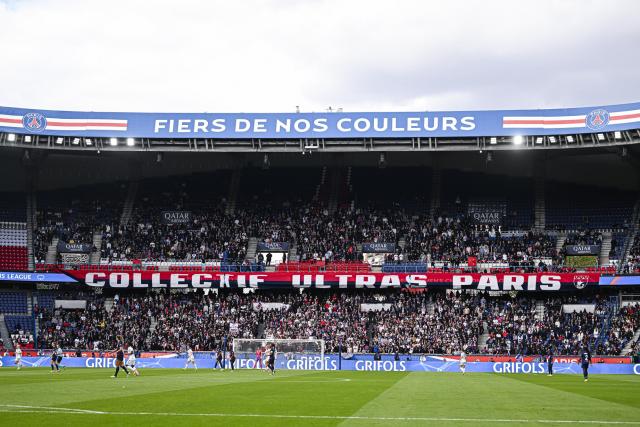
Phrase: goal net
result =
(290, 353)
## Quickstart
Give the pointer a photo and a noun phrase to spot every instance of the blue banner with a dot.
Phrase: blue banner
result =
(619, 281)
(339, 125)
(15, 276)
(273, 247)
(332, 363)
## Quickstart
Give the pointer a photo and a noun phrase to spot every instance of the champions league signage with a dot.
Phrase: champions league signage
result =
(338, 125)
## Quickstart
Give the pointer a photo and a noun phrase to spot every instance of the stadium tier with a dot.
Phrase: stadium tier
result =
(360, 322)
(432, 249)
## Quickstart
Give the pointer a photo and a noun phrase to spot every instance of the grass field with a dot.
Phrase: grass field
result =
(248, 398)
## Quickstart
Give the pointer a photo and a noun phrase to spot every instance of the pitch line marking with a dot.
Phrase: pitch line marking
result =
(73, 411)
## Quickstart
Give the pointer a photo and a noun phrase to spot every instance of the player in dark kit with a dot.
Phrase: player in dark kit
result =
(120, 362)
(550, 363)
(218, 363)
(55, 365)
(232, 359)
(271, 361)
(586, 361)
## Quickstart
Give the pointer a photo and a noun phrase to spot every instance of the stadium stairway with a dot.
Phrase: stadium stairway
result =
(431, 307)
(4, 333)
(540, 310)
(94, 258)
(402, 242)
(631, 237)
(52, 252)
(129, 203)
(627, 347)
(337, 179)
(252, 246)
(108, 304)
(436, 186)
(234, 189)
(605, 248)
(562, 237)
(30, 226)
(540, 221)
(152, 328)
(260, 331)
(29, 303)
(323, 179)
(482, 340)
(293, 252)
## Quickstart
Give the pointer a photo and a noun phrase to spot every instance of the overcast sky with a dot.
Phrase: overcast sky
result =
(271, 55)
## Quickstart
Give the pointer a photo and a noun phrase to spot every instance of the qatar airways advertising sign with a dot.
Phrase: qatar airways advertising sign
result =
(525, 282)
(330, 125)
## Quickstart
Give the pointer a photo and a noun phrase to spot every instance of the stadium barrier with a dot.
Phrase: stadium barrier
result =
(332, 363)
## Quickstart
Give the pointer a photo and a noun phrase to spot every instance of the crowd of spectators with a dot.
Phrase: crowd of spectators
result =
(438, 323)
(456, 239)
(210, 235)
(96, 328)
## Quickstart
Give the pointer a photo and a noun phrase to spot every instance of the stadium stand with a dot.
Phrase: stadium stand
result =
(439, 323)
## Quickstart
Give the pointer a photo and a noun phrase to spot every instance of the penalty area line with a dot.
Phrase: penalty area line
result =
(72, 411)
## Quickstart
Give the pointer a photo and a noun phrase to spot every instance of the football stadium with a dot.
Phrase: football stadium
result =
(453, 266)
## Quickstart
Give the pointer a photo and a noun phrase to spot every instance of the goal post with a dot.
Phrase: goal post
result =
(305, 353)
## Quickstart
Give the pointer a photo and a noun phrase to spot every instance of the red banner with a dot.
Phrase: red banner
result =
(528, 282)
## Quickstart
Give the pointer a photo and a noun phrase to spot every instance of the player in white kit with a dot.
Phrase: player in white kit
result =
(18, 356)
(463, 362)
(190, 360)
(131, 361)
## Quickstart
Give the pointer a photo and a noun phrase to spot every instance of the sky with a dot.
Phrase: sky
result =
(358, 55)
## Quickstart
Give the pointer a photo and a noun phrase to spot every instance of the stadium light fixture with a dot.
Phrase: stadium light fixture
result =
(601, 137)
(570, 138)
(88, 141)
(113, 141)
(59, 140)
(76, 141)
(11, 137)
(518, 140)
(130, 142)
(382, 161)
(617, 134)
(539, 140)
(552, 139)
(493, 140)
(27, 138)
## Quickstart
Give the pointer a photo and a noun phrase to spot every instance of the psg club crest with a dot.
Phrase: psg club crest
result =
(34, 122)
(597, 119)
(580, 282)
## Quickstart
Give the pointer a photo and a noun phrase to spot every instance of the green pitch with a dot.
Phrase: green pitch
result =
(89, 397)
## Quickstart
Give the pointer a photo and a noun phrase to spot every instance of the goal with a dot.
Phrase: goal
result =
(294, 353)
